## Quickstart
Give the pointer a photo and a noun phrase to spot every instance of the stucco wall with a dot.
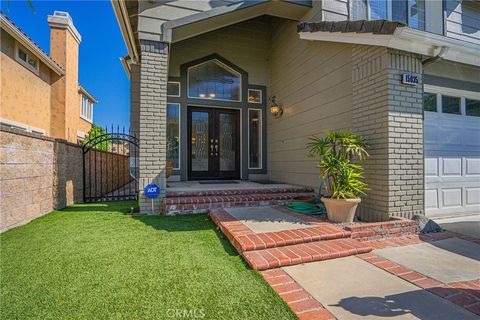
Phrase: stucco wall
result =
(312, 80)
(245, 44)
(24, 95)
(65, 116)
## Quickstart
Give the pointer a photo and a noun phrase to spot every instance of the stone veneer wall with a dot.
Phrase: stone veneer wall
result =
(389, 115)
(152, 121)
(37, 175)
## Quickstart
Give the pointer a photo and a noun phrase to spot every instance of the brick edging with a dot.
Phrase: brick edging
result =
(297, 298)
(245, 239)
(458, 293)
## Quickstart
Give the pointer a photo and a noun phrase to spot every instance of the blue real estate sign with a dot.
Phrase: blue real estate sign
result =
(151, 191)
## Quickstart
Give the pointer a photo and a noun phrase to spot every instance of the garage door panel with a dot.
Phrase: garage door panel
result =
(431, 199)
(452, 164)
(452, 167)
(472, 167)
(472, 196)
(451, 197)
(431, 167)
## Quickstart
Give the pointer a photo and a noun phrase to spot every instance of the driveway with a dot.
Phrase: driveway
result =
(435, 280)
(469, 225)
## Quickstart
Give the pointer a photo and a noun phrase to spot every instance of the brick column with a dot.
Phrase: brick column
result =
(135, 99)
(152, 121)
(389, 115)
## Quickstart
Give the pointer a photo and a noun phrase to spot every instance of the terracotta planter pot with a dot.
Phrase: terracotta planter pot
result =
(341, 210)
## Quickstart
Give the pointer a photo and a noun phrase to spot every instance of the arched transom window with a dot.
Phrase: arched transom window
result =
(214, 80)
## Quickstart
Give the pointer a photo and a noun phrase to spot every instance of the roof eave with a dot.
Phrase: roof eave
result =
(26, 42)
(121, 14)
(84, 91)
(407, 39)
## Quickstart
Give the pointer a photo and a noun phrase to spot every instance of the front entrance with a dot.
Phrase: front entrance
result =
(213, 143)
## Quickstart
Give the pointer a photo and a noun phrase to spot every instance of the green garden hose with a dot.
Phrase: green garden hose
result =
(306, 208)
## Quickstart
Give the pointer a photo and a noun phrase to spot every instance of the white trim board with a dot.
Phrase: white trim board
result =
(407, 39)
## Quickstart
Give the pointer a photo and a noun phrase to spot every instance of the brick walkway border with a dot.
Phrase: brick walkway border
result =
(465, 294)
(298, 299)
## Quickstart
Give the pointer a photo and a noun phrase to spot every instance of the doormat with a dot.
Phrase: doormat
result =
(218, 182)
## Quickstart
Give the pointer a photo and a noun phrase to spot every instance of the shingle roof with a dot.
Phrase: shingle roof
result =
(26, 37)
(357, 26)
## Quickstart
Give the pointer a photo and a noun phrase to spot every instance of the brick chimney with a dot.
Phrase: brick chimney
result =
(64, 43)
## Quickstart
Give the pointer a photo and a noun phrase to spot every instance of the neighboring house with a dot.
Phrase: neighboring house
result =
(211, 68)
(39, 92)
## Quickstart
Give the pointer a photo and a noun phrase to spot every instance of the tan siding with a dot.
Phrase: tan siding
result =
(245, 44)
(312, 80)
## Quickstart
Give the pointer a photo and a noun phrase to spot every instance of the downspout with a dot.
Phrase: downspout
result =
(442, 52)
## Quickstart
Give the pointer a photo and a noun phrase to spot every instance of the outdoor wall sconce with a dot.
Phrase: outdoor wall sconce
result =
(275, 109)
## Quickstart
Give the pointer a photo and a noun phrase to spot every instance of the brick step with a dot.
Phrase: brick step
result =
(243, 239)
(203, 193)
(303, 253)
(186, 205)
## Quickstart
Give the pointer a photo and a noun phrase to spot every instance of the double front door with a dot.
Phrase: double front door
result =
(213, 143)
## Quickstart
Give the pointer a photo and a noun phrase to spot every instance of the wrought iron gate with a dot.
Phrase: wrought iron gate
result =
(110, 166)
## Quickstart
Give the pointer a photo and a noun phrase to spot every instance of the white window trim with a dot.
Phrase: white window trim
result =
(261, 96)
(29, 55)
(214, 99)
(179, 89)
(179, 134)
(22, 126)
(261, 139)
(444, 91)
(86, 118)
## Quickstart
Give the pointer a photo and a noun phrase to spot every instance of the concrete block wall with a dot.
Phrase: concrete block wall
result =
(26, 178)
(68, 174)
(389, 115)
(37, 175)
(152, 121)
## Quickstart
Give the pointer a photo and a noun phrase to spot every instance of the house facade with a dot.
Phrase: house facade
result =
(40, 92)
(234, 89)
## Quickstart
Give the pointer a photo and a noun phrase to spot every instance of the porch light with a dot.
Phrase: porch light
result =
(275, 109)
(211, 95)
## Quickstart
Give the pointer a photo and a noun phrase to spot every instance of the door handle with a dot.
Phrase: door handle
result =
(211, 149)
(216, 149)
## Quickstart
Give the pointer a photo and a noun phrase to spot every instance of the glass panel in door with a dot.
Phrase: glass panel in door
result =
(200, 137)
(227, 142)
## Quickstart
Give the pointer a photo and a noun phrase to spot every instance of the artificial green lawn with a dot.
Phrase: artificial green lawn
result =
(95, 262)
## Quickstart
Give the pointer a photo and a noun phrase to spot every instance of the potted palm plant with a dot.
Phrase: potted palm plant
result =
(342, 177)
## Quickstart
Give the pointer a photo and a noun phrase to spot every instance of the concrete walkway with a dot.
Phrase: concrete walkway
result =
(352, 288)
(469, 225)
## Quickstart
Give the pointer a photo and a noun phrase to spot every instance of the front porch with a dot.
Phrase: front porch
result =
(203, 107)
(203, 196)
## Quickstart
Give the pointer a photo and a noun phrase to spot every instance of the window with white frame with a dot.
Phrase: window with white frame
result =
(255, 138)
(254, 96)
(410, 12)
(451, 101)
(26, 58)
(86, 108)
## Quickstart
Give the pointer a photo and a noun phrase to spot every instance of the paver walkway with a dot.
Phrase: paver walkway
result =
(417, 281)
(322, 273)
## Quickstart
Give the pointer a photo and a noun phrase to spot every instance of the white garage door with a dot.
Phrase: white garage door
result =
(452, 152)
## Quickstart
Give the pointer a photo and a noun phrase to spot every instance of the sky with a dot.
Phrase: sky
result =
(100, 70)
